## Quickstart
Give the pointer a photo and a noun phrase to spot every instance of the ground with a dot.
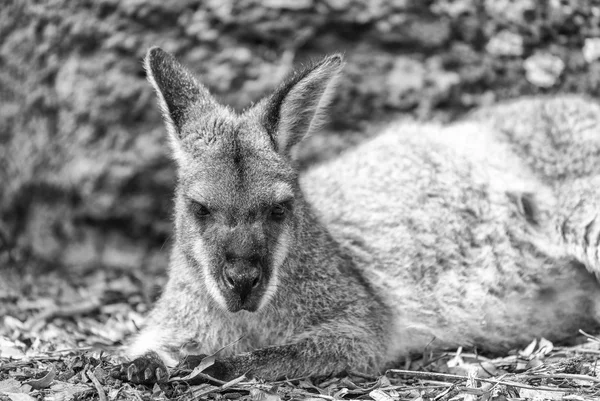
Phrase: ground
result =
(62, 335)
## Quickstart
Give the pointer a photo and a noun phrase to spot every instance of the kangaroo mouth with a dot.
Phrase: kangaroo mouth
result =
(235, 303)
(245, 307)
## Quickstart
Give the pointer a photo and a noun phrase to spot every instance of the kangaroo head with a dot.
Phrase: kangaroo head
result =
(238, 198)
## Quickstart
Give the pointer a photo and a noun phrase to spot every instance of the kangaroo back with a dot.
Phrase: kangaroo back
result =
(458, 233)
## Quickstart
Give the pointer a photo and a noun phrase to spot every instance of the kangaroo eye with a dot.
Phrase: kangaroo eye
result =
(200, 210)
(278, 212)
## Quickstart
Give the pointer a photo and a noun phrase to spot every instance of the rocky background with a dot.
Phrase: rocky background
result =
(85, 177)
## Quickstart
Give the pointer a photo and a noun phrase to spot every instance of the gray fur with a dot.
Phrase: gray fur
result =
(475, 234)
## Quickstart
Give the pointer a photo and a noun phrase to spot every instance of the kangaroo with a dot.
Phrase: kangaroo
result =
(481, 233)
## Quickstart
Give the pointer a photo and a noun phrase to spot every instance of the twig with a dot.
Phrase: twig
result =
(231, 344)
(99, 389)
(484, 369)
(434, 360)
(204, 391)
(443, 393)
(233, 382)
(200, 375)
(457, 377)
(313, 395)
(586, 351)
(561, 376)
(469, 355)
(437, 383)
(362, 375)
(290, 380)
(496, 384)
(589, 336)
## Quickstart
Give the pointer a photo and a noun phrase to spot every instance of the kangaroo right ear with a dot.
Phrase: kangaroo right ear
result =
(295, 109)
(177, 92)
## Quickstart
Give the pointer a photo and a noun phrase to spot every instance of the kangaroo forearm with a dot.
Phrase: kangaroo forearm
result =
(325, 357)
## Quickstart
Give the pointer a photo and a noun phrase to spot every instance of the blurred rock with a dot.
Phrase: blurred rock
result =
(543, 69)
(405, 83)
(441, 82)
(505, 43)
(591, 49)
(86, 177)
(288, 4)
(511, 12)
(409, 30)
(454, 8)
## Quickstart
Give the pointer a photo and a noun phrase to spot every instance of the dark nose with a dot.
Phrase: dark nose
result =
(242, 252)
(242, 276)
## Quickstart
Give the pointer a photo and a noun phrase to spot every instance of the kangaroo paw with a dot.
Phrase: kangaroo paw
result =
(146, 369)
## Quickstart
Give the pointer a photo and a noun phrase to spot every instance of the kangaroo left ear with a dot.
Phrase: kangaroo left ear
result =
(296, 108)
(177, 91)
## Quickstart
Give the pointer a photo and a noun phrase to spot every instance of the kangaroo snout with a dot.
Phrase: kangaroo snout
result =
(243, 267)
(241, 277)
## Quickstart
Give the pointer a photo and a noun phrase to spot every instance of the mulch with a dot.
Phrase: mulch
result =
(62, 333)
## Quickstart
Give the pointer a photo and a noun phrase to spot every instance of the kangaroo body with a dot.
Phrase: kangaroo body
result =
(471, 234)
(433, 219)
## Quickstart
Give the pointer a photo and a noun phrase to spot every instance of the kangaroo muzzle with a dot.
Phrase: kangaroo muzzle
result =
(242, 277)
(244, 268)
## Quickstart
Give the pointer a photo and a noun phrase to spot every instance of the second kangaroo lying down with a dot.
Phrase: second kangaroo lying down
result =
(476, 234)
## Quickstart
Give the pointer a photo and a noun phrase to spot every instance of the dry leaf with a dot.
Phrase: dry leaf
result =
(521, 365)
(526, 353)
(380, 395)
(19, 397)
(384, 381)
(471, 383)
(8, 349)
(534, 363)
(487, 369)
(540, 394)
(67, 391)
(233, 382)
(544, 347)
(202, 390)
(44, 382)
(12, 323)
(204, 364)
(340, 393)
(10, 386)
(158, 394)
(113, 393)
(456, 360)
(260, 395)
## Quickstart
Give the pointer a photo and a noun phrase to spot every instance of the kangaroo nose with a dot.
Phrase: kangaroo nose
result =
(242, 278)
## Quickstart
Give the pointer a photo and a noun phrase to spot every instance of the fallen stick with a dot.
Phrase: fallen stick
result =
(493, 381)
(562, 376)
(99, 389)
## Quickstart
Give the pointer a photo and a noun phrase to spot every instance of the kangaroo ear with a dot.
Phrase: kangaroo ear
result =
(295, 109)
(177, 92)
